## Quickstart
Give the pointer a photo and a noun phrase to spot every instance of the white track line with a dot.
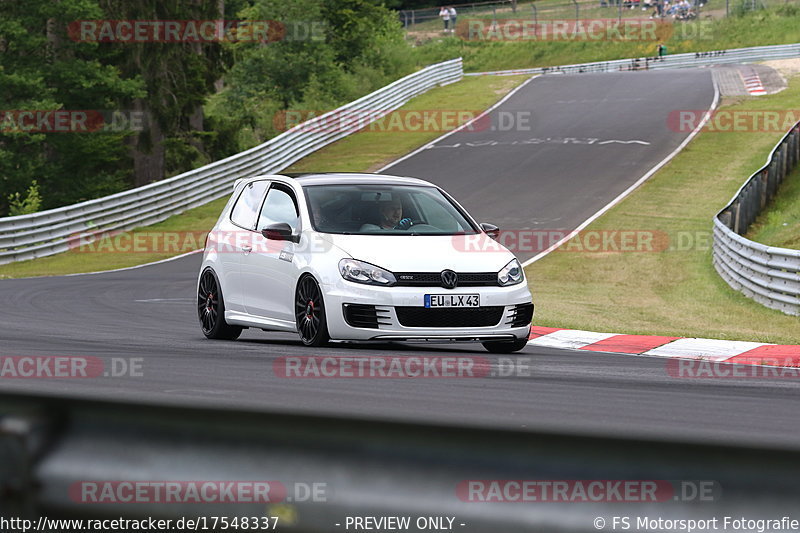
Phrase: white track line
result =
(630, 189)
(461, 127)
(167, 260)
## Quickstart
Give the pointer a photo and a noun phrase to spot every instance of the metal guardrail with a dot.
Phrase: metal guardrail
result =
(53, 445)
(55, 230)
(768, 275)
(694, 59)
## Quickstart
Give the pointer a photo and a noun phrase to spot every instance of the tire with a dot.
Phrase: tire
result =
(211, 309)
(309, 306)
(505, 346)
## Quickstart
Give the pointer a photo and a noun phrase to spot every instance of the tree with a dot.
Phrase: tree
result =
(331, 52)
(42, 70)
(178, 76)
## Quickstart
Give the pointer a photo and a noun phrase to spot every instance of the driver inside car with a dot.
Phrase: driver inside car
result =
(391, 214)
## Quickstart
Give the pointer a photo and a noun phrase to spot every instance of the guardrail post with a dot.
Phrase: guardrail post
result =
(21, 439)
(753, 198)
(787, 167)
(772, 185)
(797, 144)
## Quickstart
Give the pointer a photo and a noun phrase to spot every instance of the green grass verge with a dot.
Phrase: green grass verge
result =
(765, 27)
(361, 152)
(779, 224)
(675, 291)
(555, 10)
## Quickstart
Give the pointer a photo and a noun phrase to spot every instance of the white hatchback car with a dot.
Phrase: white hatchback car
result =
(359, 257)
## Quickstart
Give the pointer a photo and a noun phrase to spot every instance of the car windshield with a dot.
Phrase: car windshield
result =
(384, 210)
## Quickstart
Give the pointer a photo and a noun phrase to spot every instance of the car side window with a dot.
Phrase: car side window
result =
(279, 206)
(246, 208)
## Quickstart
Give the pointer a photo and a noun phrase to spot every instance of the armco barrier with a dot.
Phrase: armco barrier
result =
(694, 59)
(51, 232)
(768, 275)
(54, 445)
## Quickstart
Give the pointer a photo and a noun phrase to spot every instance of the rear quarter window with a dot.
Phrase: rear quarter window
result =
(246, 208)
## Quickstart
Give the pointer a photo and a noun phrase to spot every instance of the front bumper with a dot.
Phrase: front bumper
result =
(387, 299)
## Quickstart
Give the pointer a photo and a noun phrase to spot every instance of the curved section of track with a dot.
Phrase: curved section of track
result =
(562, 147)
(148, 313)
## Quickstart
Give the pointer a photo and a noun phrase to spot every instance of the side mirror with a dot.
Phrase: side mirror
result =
(280, 232)
(491, 230)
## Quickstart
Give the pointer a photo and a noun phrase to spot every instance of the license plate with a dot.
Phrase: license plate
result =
(452, 300)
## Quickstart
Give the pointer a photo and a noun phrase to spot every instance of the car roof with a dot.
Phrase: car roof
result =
(306, 179)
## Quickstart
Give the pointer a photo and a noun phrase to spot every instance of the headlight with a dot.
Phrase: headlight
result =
(361, 272)
(511, 274)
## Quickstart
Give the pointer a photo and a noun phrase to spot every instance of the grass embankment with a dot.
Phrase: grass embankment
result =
(765, 27)
(546, 10)
(676, 291)
(779, 224)
(363, 151)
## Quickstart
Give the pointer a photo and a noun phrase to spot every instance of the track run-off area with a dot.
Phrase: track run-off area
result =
(587, 140)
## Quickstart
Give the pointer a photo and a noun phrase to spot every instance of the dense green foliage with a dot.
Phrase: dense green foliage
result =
(199, 100)
(41, 69)
(334, 51)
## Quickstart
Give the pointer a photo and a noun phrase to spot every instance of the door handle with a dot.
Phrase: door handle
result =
(247, 249)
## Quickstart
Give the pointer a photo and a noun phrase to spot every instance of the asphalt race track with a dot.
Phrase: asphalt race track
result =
(562, 147)
(149, 313)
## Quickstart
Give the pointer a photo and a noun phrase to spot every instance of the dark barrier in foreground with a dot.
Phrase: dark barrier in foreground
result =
(80, 459)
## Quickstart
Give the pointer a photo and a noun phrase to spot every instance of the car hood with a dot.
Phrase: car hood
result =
(425, 253)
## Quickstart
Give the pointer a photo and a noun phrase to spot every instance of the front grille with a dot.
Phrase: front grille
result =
(434, 279)
(521, 315)
(460, 317)
(365, 316)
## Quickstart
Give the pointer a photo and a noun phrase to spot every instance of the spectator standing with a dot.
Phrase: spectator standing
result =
(453, 16)
(445, 14)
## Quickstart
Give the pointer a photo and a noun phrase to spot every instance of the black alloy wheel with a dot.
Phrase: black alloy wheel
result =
(310, 313)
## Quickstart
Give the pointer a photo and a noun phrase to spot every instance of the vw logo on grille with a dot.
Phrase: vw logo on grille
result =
(449, 279)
